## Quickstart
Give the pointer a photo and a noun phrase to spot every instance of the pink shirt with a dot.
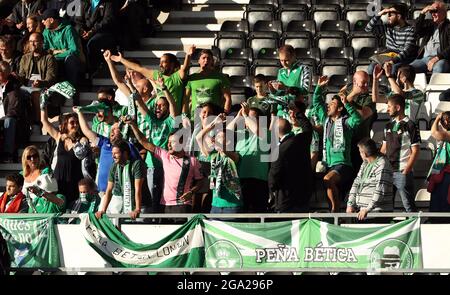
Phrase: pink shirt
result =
(172, 170)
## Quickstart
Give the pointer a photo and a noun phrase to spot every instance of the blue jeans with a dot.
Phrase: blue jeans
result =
(404, 184)
(9, 124)
(420, 65)
(155, 182)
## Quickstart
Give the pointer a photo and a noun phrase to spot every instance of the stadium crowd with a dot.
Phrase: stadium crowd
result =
(170, 141)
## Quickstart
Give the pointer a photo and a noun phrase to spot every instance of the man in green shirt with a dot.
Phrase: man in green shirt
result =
(259, 100)
(124, 191)
(293, 79)
(62, 41)
(207, 85)
(170, 71)
(338, 132)
(253, 142)
(404, 85)
(358, 96)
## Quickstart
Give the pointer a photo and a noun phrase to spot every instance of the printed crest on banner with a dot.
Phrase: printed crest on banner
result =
(223, 254)
(391, 254)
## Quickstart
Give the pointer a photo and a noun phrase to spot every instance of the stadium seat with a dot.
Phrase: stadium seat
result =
(324, 41)
(286, 15)
(358, 41)
(234, 67)
(237, 99)
(261, 67)
(336, 82)
(422, 195)
(311, 54)
(421, 81)
(334, 69)
(223, 43)
(302, 26)
(433, 99)
(239, 54)
(423, 163)
(356, 18)
(296, 40)
(335, 26)
(264, 26)
(438, 82)
(341, 53)
(382, 111)
(230, 27)
(255, 14)
(362, 59)
(259, 40)
(423, 116)
(377, 132)
(268, 54)
(428, 141)
(319, 15)
(443, 106)
(241, 81)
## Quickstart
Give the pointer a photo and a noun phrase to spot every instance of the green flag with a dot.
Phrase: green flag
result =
(182, 248)
(310, 243)
(31, 240)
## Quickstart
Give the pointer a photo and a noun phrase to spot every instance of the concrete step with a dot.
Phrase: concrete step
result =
(183, 41)
(191, 27)
(202, 17)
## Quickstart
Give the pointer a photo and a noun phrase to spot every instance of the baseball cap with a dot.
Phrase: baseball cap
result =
(49, 13)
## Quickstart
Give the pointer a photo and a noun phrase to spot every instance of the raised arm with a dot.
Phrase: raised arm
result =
(200, 136)
(92, 136)
(148, 73)
(377, 73)
(392, 82)
(114, 75)
(51, 130)
(172, 107)
(438, 133)
(184, 71)
(185, 109)
(149, 146)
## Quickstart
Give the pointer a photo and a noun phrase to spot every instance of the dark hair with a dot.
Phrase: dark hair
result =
(122, 146)
(402, 9)
(339, 101)
(107, 90)
(16, 178)
(444, 119)
(296, 104)
(173, 60)
(206, 51)
(408, 71)
(8, 40)
(260, 78)
(65, 122)
(216, 110)
(397, 99)
(287, 49)
(88, 182)
(286, 127)
(369, 146)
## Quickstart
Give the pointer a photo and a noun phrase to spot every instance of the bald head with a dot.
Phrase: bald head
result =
(439, 12)
(361, 80)
(144, 87)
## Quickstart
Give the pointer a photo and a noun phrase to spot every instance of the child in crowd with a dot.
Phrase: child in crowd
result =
(13, 200)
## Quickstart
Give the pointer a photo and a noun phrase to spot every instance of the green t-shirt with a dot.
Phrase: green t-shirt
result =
(175, 86)
(207, 88)
(363, 131)
(227, 196)
(137, 171)
(249, 147)
(42, 205)
(159, 136)
(261, 104)
(103, 128)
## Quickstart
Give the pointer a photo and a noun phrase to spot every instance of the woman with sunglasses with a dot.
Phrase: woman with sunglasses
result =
(72, 147)
(39, 186)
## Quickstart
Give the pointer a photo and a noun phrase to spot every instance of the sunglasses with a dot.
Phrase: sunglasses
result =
(33, 156)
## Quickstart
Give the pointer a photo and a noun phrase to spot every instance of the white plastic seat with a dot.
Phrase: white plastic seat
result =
(421, 81)
(422, 195)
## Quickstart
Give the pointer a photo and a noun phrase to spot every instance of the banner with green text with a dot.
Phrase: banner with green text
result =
(310, 243)
(31, 240)
(182, 248)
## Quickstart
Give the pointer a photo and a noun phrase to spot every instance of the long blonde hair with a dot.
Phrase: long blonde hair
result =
(28, 150)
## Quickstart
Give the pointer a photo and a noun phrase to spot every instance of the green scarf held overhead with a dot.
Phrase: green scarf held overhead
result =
(95, 107)
(64, 88)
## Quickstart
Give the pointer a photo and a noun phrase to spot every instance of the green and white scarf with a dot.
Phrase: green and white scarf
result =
(64, 88)
(440, 160)
(224, 175)
(337, 139)
(183, 178)
(125, 184)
